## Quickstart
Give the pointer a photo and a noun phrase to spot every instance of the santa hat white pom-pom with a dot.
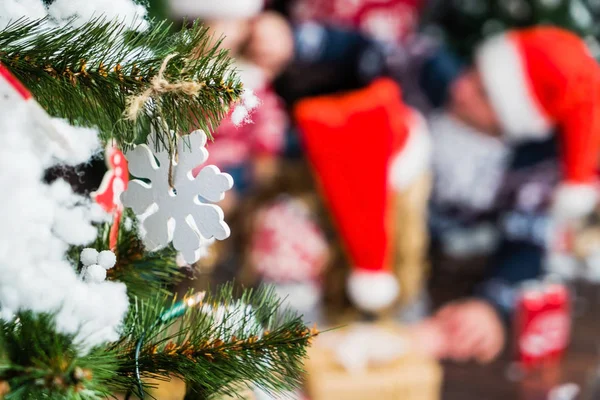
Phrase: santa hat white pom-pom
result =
(89, 256)
(94, 274)
(107, 259)
(372, 291)
(574, 201)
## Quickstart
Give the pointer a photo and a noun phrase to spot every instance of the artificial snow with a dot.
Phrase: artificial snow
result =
(40, 222)
(248, 103)
(12, 10)
(88, 256)
(126, 11)
(76, 12)
(239, 115)
(96, 264)
(94, 274)
(107, 259)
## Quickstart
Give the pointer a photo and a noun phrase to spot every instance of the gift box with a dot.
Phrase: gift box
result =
(398, 373)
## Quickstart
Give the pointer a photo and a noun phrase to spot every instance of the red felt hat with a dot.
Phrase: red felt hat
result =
(362, 146)
(544, 79)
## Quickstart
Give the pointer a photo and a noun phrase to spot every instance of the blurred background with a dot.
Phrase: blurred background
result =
(373, 154)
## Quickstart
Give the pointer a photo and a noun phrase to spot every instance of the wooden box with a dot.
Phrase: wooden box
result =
(410, 377)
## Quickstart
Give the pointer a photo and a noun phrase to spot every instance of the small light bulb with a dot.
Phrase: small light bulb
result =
(195, 299)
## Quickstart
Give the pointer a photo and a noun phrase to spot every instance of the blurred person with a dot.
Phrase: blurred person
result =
(328, 60)
(344, 45)
(538, 90)
(262, 45)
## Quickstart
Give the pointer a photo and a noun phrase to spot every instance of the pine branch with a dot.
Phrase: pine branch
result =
(212, 351)
(36, 362)
(145, 273)
(244, 345)
(88, 74)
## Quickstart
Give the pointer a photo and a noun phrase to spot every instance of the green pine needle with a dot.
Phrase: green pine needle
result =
(259, 345)
(39, 363)
(88, 73)
(253, 343)
(145, 273)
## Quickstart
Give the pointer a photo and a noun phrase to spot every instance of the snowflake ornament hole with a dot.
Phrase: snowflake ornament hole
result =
(175, 214)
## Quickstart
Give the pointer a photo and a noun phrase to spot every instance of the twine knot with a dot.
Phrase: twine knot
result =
(160, 85)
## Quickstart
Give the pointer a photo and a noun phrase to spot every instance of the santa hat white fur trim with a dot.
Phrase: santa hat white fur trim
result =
(216, 9)
(573, 201)
(372, 290)
(508, 87)
(415, 158)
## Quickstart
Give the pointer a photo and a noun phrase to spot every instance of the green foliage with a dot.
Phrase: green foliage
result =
(221, 344)
(124, 82)
(144, 273)
(158, 9)
(214, 346)
(38, 363)
(88, 74)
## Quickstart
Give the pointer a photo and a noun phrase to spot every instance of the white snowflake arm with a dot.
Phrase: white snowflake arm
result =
(193, 147)
(212, 183)
(181, 214)
(138, 196)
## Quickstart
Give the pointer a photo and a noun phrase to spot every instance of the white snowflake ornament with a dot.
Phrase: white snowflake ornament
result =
(96, 264)
(177, 214)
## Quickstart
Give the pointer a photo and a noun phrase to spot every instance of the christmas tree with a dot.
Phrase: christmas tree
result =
(465, 22)
(84, 306)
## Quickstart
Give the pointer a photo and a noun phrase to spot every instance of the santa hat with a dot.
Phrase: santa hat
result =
(216, 9)
(362, 146)
(543, 79)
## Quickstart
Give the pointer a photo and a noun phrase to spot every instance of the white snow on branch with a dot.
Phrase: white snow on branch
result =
(74, 11)
(40, 222)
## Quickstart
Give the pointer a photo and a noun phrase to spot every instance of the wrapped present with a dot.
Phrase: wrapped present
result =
(370, 361)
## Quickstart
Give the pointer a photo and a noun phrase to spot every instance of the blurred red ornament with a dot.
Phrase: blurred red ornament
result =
(10, 84)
